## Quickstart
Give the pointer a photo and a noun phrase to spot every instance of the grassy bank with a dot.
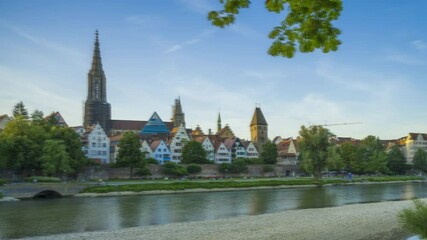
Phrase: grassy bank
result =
(182, 185)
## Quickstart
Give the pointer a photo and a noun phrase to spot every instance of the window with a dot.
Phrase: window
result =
(104, 153)
(93, 144)
(104, 145)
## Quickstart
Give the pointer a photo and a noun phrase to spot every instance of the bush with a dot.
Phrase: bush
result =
(2, 182)
(414, 219)
(174, 169)
(1, 195)
(239, 166)
(143, 172)
(254, 161)
(42, 179)
(268, 168)
(151, 161)
(194, 168)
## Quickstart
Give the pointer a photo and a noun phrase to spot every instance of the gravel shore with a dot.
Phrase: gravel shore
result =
(356, 221)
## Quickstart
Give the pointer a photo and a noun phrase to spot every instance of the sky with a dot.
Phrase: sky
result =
(155, 51)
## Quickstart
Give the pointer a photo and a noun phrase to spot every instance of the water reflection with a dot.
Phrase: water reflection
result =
(316, 198)
(31, 218)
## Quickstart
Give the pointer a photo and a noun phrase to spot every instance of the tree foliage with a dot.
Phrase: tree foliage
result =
(193, 152)
(73, 146)
(372, 157)
(348, 153)
(130, 154)
(26, 145)
(194, 168)
(55, 158)
(306, 27)
(171, 168)
(414, 219)
(269, 153)
(396, 162)
(20, 110)
(314, 146)
(420, 160)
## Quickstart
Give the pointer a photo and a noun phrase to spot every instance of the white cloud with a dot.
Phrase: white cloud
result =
(419, 44)
(198, 6)
(46, 43)
(405, 59)
(146, 20)
(203, 35)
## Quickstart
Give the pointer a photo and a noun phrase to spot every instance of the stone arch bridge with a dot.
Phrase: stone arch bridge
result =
(41, 190)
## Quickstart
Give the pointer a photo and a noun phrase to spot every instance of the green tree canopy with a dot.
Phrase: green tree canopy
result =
(171, 168)
(193, 152)
(37, 117)
(348, 153)
(420, 160)
(314, 146)
(371, 156)
(73, 146)
(396, 162)
(20, 110)
(130, 154)
(269, 153)
(55, 158)
(306, 27)
(23, 144)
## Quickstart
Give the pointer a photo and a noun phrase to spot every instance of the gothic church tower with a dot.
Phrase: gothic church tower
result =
(259, 128)
(178, 116)
(97, 109)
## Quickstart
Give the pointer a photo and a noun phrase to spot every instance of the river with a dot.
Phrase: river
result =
(54, 216)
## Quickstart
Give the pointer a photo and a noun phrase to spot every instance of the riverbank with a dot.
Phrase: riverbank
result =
(202, 190)
(376, 221)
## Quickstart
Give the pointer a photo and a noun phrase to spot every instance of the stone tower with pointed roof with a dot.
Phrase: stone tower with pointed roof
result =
(178, 116)
(219, 127)
(259, 128)
(97, 109)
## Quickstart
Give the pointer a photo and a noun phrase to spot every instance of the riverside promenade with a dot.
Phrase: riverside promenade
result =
(377, 221)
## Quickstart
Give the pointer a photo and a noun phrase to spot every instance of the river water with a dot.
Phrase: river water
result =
(66, 215)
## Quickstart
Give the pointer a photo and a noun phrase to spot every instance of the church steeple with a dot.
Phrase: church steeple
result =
(96, 76)
(259, 127)
(97, 109)
(219, 127)
(178, 116)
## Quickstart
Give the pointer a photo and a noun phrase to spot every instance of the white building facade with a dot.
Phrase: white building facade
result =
(97, 145)
(179, 139)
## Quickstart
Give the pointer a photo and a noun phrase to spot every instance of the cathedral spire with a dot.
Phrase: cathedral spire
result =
(97, 109)
(96, 59)
(178, 116)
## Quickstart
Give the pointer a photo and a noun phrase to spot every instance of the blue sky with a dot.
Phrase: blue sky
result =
(154, 51)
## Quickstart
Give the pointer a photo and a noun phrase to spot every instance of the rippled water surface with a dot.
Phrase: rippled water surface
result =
(54, 216)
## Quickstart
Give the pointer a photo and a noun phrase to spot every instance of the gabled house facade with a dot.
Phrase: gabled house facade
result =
(4, 119)
(160, 151)
(235, 147)
(179, 138)
(146, 149)
(208, 146)
(222, 154)
(96, 144)
(251, 150)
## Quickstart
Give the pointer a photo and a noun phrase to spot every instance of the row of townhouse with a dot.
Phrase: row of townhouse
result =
(217, 149)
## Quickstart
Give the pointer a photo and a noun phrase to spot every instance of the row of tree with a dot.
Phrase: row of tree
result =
(38, 144)
(369, 156)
